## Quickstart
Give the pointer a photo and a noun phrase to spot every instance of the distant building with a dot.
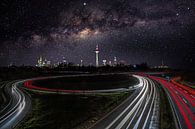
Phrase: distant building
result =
(115, 61)
(110, 63)
(122, 62)
(43, 63)
(104, 62)
(81, 63)
(64, 61)
(162, 66)
(40, 62)
(48, 63)
(97, 56)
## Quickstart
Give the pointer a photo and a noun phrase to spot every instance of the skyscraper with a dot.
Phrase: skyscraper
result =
(97, 55)
(81, 63)
(115, 61)
(41, 62)
(104, 62)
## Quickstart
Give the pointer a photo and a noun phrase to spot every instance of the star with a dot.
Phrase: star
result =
(84, 3)
(125, 27)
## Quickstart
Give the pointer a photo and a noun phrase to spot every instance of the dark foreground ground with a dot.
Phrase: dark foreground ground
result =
(94, 82)
(188, 79)
(166, 116)
(79, 111)
(75, 111)
(67, 111)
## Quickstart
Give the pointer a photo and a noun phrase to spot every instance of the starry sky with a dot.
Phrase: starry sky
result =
(134, 31)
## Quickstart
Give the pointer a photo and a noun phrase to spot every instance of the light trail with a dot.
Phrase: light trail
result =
(16, 108)
(183, 101)
(137, 111)
(29, 86)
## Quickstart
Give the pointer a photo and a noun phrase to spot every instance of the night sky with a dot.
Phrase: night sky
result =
(135, 31)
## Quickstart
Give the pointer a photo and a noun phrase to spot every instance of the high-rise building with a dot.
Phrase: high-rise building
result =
(110, 63)
(81, 63)
(162, 66)
(104, 62)
(39, 62)
(64, 61)
(115, 61)
(48, 63)
(97, 56)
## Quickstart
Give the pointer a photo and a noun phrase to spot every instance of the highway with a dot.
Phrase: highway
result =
(16, 104)
(29, 86)
(182, 101)
(140, 110)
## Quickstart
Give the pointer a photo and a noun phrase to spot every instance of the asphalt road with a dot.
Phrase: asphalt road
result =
(182, 102)
(140, 110)
(17, 104)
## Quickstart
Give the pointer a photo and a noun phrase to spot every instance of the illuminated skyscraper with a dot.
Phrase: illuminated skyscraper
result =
(97, 55)
(81, 63)
(104, 62)
(40, 62)
(110, 63)
(115, 61)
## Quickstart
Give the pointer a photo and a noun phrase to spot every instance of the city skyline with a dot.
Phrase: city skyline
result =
(134, 31)
(43, 61)
(99, 61)
(97, 64)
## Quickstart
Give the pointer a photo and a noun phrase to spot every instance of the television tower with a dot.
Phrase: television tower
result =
(97, 55)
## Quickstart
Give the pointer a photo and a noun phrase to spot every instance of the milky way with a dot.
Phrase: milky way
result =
(132, 30)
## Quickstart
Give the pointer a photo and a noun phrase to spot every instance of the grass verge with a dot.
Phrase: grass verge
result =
(166, 115)
(68, 111)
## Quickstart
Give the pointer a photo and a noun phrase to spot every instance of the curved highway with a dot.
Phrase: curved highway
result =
(28, 84)
(182, 102)
(140, 110)
(17, 104)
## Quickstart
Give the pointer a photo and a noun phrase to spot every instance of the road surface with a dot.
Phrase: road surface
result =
(182, 101)
(140, 110)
